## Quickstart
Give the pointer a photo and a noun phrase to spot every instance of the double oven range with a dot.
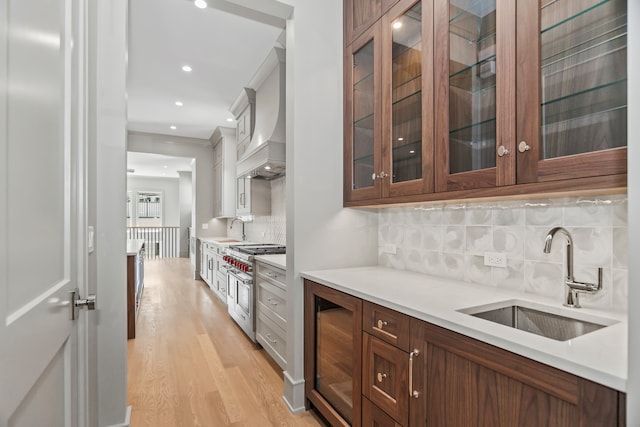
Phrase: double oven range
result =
(241, 280)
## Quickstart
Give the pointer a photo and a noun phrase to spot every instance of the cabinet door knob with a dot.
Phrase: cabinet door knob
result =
(382, 324)
(381, 176)
(380, 377)
(502, 151)
(523, 146)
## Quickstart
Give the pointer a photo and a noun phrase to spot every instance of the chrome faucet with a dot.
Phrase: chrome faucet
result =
(572, 287)
(244, 237)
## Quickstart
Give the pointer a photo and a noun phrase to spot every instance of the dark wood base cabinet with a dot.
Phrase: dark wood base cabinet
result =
(417, 374)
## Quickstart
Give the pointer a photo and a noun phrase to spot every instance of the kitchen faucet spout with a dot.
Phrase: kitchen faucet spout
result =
(244, 236)
(572, 287)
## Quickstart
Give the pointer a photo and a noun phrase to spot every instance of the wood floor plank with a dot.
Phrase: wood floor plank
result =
(190, 365)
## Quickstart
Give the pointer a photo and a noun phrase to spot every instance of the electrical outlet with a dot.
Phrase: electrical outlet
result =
(389, 248)
(495, 259)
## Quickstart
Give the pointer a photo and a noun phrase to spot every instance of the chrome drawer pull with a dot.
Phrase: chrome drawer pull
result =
(275, 304)
(271, 340)
(412, 393)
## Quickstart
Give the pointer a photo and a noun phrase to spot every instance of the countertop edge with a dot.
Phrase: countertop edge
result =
(273, 260)
(587, 371)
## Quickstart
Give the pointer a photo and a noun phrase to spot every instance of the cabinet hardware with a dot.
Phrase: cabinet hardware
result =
(523, 146)
(413, 393)
(381, 176)
(271, 302)
(271, 340)
(382, 324)
(502, 151)
(381, 376)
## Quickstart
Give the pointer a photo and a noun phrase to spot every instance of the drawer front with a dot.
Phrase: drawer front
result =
(272, 338)
(273, 273)
(272, 299)
(385, 377)
(372, 416)
(386, 324)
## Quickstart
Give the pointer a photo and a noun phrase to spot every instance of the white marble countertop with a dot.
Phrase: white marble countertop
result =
(279, 260)
(223, 241)
(600, 356)
(134, 246)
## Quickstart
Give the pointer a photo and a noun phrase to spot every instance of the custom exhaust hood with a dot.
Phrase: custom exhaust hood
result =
(265, 155)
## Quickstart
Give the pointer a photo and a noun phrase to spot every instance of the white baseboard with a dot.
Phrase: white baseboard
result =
(293, 394)
(127, 419)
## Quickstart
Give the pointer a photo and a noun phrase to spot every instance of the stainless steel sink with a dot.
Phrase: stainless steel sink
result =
(538, 320)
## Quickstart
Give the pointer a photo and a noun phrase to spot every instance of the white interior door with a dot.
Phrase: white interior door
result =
(41, 175)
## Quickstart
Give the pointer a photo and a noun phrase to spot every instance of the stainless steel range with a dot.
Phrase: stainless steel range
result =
(241, 283)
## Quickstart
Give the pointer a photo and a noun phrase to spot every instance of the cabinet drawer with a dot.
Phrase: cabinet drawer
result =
(276, 274)
(272, 338)
(386, 324)
(272, 299)
(385, 377)
(372, 416)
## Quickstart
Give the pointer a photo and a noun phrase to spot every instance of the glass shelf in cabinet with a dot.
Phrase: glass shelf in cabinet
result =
(482, 21)
(573, 96)
(600, 131)
(616, 37)
(562, 21)
(471, 66)
(365, 122)
(401, 96)
(364, 81)
(473, 125)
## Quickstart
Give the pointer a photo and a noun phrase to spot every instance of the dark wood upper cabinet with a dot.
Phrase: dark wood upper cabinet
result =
(483, 99)
(388, 130)
(572, 89)
(361, 14)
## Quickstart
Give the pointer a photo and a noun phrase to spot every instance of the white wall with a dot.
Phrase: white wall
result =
(170, 189)
(202, 177)
(186, 202)
(107, 114)
(320, 233)
(633, 112)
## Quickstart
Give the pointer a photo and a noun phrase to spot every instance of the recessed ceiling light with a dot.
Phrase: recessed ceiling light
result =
(249, 176)
(173, 127)
(165, 166)
(397, 25)
(186, 68)
(229, 119)
(267, 167)
(200, 4)
(179, 103)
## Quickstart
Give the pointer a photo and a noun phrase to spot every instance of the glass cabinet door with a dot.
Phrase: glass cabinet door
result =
(362, 117)
(333, 346)
(408, 91)
(467, 95)
(581, 70)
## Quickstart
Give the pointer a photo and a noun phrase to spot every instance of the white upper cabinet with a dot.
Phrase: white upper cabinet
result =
(224, 172)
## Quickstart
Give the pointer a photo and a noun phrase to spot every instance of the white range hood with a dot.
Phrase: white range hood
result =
(265, 155)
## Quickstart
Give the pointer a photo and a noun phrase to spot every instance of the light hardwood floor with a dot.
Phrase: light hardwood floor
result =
(191, 365)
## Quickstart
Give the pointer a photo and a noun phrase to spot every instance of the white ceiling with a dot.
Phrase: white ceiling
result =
(224, 50)
(157, 165)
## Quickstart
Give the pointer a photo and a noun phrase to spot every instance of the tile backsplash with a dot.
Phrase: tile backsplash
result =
(450, 241)
(271, 228)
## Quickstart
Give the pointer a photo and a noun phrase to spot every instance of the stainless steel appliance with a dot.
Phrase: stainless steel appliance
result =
(241, 281)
